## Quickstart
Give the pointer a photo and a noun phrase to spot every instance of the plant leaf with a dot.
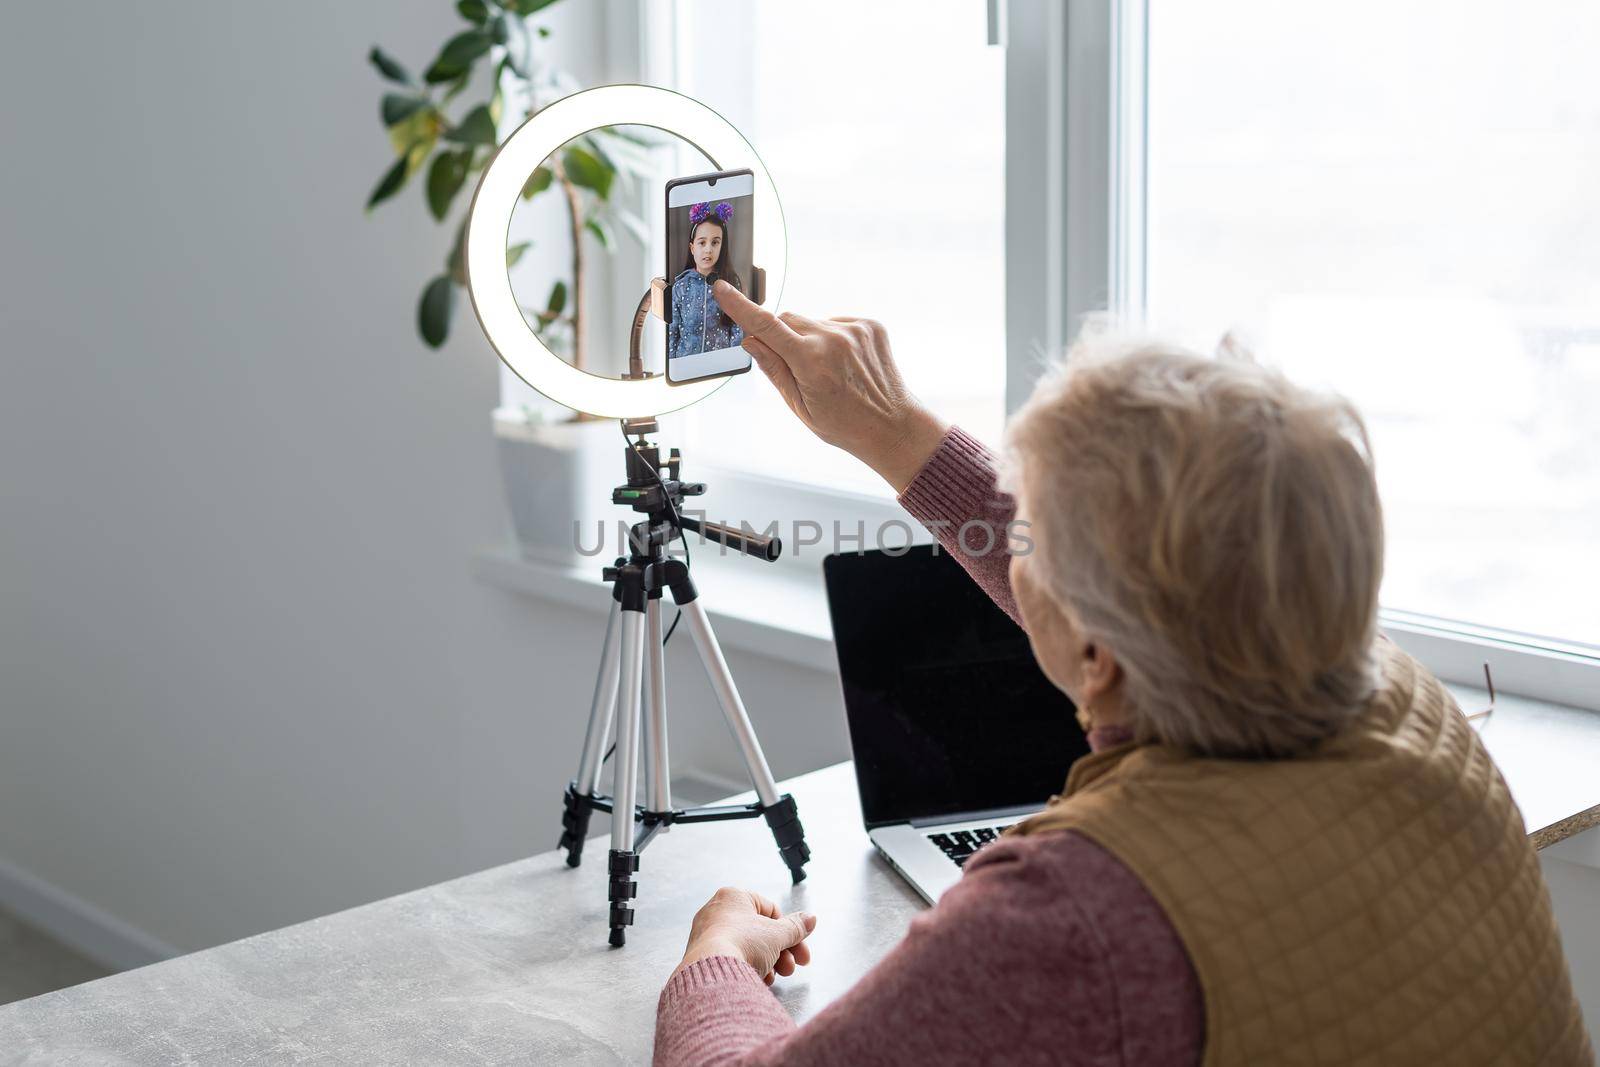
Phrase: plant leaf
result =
(544, 31)
(397, 107)
(388, 67)
(413, 139)
(457, 56)
(515, 252)
(586, 170)
(418, 155)
(527, 7)
(558, 299)
(434, 310)
(462, 49)
(537, 182)
(389, 184)
(601, 231)
(449, 170)
(632, 160)
(473, 10)
(453, 90)
(420, 127)
(476, 128)
(456, 264)
(519, 46)
(598, 150)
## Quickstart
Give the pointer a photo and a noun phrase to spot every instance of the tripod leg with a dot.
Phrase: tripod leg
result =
(623, 860)
(657, 783)
(575, 819)
(705, 642)
(779, 811)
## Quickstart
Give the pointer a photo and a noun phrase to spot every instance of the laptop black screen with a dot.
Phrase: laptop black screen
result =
(948, 711)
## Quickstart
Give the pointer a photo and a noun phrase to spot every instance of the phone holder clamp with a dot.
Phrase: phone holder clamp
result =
(654, 302)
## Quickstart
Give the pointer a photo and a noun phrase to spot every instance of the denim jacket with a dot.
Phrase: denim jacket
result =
(697, 324)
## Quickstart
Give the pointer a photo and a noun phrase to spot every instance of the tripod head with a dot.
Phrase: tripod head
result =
(660, 498)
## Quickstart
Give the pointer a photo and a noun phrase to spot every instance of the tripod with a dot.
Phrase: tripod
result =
(632, 668)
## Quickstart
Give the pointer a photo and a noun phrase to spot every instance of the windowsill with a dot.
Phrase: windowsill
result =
(1547, 754)
(774, 611)
(1546, 751)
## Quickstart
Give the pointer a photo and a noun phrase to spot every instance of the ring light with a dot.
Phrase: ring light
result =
(489, 220)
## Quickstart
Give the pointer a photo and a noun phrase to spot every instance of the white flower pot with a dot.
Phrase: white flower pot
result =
(558, 478)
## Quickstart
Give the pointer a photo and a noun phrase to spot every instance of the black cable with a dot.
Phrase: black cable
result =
(677, 520)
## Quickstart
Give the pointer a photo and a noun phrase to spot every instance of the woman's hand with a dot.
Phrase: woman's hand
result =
(750, 927)
(839, 377)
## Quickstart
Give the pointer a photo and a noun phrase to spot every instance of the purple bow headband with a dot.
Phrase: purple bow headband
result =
(700, 212)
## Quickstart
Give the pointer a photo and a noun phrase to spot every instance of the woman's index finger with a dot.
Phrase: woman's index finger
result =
(755, 320)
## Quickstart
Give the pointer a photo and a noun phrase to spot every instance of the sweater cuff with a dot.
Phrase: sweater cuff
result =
(706, 973)
(945, 489)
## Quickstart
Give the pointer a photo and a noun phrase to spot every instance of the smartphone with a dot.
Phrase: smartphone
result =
(710, 230)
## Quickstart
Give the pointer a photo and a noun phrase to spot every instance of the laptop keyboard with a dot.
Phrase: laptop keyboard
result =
(961, 844)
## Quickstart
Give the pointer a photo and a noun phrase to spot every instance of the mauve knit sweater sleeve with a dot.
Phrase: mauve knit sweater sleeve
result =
(957, 496)
(1047, 951)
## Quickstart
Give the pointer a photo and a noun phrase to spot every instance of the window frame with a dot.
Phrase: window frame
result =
(646, 46)
(1076, 128)
(1076, 158)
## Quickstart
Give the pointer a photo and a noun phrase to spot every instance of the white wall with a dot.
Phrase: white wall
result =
(245, 675)
(1572, 871)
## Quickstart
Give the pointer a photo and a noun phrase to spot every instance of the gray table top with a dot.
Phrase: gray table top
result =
(509, 965)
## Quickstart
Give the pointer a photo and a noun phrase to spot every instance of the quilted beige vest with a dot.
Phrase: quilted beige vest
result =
(1374, 902)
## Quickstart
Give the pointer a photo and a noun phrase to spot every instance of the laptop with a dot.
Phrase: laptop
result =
(956, 732)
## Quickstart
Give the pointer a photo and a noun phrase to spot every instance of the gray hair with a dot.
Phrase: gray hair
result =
(1217, 528)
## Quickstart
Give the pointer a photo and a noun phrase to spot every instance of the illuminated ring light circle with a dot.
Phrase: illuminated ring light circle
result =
(489, 282)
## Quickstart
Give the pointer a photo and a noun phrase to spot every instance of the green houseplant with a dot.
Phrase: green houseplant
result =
(443, 127)
(448, 143)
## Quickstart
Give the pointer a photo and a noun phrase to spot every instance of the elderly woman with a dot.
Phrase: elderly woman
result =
(1287, 845)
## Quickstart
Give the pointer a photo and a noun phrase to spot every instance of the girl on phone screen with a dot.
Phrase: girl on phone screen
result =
(698, 322)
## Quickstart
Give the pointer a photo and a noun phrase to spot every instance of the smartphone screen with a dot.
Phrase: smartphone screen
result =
(709, 237)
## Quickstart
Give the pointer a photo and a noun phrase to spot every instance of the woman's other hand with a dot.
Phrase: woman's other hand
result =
(839, 377)
(748, 926)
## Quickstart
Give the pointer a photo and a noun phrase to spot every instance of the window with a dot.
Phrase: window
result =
(883, 128)
(1391, 201)
(1398, 201)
